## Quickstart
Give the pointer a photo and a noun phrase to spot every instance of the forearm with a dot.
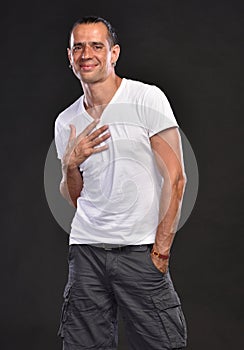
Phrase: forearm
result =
(170, 207)
(71, 184)
(78, 149)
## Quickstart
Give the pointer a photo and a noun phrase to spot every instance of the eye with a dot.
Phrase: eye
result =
(77, 48)
(97, 47)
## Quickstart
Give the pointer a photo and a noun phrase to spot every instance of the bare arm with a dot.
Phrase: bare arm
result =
(71, 184)
(168, 154)
(79, 148)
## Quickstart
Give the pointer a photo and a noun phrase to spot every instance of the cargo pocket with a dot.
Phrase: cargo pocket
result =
(168, 307)
(63, 317)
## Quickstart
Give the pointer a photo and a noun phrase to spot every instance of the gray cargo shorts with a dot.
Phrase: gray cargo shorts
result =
(100, 281)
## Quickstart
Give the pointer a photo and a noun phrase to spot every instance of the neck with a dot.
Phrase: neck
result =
(98, 95)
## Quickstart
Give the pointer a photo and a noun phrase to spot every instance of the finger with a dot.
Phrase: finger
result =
(72, 134)
(89, 128)
(99, 140)
(100, 149)
(98, 132)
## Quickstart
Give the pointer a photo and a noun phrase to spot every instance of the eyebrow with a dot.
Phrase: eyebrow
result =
(90, 43)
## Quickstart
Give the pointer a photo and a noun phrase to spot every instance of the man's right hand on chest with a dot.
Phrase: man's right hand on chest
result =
(80, 147)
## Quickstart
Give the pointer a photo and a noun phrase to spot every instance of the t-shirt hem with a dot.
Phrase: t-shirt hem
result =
(155, 132)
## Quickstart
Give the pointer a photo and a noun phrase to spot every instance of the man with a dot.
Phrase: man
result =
(122, 167)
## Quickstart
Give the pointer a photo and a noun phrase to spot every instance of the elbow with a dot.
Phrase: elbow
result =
(65, 194)
(178, 184)
(183, 179)
(62, 189)
(182, 186)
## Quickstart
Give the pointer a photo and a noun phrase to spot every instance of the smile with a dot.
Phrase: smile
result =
(87, 67)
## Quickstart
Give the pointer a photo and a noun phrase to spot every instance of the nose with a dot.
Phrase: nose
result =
(87, 52)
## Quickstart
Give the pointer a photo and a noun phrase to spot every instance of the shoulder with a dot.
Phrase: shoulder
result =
(138, 86)
(155, 109)
(65, 117)
(144, 93)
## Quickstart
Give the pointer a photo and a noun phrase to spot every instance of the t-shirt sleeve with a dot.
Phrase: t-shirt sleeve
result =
(158, 113)
(59, 132)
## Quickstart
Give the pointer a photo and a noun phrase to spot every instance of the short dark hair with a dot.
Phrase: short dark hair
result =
(112, 35)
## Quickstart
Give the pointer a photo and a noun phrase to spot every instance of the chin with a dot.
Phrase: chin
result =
(90, 80)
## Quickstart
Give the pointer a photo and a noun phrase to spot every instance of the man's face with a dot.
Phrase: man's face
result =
(90, 54)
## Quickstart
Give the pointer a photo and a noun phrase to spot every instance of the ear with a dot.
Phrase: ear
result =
(69, 55)
(115, 51)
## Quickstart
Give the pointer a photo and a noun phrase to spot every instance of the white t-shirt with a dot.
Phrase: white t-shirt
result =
(119, 202)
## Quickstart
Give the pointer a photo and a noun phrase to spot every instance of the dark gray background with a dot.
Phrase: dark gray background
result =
(193, 51)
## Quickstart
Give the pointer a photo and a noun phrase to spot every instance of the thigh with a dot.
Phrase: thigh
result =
(89, 314)
(150, 306)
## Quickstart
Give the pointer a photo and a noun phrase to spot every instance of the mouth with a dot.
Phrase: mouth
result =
(87, 67)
